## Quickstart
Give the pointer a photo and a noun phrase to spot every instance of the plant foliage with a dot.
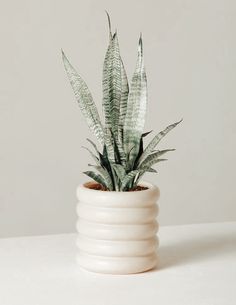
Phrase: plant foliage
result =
(122, 160)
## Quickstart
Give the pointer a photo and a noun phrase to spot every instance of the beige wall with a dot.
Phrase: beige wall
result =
(190, 61)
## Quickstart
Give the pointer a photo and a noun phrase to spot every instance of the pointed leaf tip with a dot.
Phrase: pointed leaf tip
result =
(109, 23)
(140, 41)
(140, 44)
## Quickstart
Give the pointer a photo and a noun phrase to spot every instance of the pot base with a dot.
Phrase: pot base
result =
(116, 265)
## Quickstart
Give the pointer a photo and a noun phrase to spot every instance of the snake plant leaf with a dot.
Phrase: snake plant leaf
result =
(128, 179)
(122, 112)
(124, 91)
(141, 173)
(109, 24)
(150, 161)
(151, 146)
(84, 99)
(146, 133)
(116, 150)
(119, 153)
(124, 95)
(153, 157)
(140, 152)
(136, 108)
(98, 178)
(151, 170)
(108, 140)
(94, 146)
(105, 162)
(119, 170)
(112, 85)
(105, 175)
(95, 158)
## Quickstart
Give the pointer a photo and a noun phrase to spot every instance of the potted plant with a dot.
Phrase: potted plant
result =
(116, 212)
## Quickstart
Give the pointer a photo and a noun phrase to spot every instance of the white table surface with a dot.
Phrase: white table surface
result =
(197, 265)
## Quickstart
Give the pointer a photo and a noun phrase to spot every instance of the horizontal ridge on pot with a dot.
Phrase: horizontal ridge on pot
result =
(117, 215)
(117, 231)
(118, 248)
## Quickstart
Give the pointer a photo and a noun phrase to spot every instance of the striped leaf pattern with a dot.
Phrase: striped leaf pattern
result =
(124, 96)
(147, 162)
(105, 175)
(96, 177)
(127, 182)
(84, 99)
(112, 85)
(115, 92)
(151, 146)
(136, 108)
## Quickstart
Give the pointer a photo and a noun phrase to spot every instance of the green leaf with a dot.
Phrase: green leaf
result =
(112, 85)
(105, 175)
(146, 134)
(106, 163)
(149, 149)
(149, 162)
(94, 146)
(109, 144)
(124, 96)
(140, 152)
(119, 170)
(151, 170)
(136, 108)
(128, 180)
(98, 178)
(84, 99)
(109, 24)
(152, 157)
(122, 112)
(95, 158)
(119, 154)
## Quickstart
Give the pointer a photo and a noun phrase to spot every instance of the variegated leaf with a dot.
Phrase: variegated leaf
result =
(149, 162)
(84, 99)
(95, 158)
(112, 95)
(129, 178)
(98, 178)
(109, 144)
(151, 146)
(112, 85)
(94, 146)
(105, 175)
(136, 108)
(151, 170)
(154, 156)
(124, 95)
(119, 170)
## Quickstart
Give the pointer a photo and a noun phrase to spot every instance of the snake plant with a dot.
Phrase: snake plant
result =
(122, 159)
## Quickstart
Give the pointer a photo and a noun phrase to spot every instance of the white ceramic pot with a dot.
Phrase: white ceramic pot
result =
(117, 230)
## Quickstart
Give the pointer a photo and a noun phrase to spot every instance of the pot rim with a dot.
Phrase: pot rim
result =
(151, 187)
(143, 198)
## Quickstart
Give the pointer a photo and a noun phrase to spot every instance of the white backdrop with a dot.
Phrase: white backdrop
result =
(190, 60)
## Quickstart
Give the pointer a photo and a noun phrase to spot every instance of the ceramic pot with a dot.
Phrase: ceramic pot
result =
(117, 230)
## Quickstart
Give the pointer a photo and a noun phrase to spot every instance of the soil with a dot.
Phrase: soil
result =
(99, 187)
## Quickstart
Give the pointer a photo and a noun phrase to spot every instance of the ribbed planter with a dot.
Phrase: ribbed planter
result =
(117, 230)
